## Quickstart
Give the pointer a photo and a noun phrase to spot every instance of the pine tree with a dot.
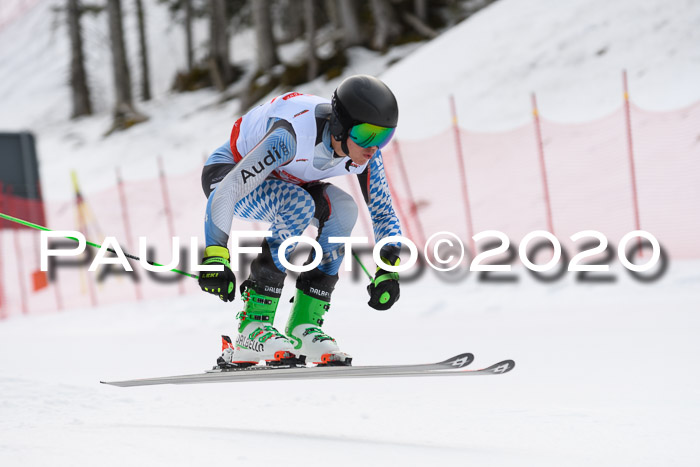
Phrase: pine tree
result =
(80, 91)
(143, 53)
(219, 62)
(124, 113)
(267, 49)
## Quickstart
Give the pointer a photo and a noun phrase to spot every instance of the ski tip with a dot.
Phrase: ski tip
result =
(499, 368)
(459, 361)
(115, 383)
(120, 384)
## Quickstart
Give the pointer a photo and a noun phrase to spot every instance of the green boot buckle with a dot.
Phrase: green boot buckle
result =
(259, 308)
(308, 310)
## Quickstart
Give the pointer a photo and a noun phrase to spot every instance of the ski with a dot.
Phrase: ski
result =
(450, 367)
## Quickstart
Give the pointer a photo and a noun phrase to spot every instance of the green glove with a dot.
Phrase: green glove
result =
(384, 289)
(219, 283)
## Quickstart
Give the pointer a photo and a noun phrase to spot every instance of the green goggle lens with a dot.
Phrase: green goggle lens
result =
(367, 135)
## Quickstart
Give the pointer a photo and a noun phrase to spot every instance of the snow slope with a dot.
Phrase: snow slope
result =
(570, 53)
(605, 375)
(605, 372)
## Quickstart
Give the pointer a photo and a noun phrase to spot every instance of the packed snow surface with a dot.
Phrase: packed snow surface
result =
(605, 373)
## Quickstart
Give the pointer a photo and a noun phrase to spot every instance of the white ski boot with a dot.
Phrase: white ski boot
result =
(257, 340)
(304, 330)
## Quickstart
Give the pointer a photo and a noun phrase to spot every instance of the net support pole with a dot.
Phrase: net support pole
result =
(127, 223)
(412, 200)
(630, 154)
(463, 174)
(83, 227)
(168, 211)
(543, 166)
(397, 201)
(54, 284)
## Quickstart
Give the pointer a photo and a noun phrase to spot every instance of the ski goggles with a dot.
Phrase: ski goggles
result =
(367, 135)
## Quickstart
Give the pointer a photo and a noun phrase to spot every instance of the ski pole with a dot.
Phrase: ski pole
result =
(92, 244)
(136, 258)
(386, 296)
(363, 266)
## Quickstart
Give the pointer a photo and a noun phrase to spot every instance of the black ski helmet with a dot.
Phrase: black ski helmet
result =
(362, 99)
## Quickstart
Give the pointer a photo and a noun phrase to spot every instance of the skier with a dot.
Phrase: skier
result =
(271, 170)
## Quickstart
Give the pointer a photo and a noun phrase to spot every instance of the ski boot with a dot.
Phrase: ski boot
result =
(257, 339)
(311, 303)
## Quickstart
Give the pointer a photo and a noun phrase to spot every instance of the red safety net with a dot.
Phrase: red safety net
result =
(589, 183)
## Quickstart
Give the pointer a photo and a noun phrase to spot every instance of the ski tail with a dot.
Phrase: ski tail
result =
(226, 343)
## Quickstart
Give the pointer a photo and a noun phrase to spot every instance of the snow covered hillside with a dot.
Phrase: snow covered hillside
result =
(571, 53)
(605, 372)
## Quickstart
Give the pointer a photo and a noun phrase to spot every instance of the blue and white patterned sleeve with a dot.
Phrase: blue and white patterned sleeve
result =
(276, 148)
(375, 190)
